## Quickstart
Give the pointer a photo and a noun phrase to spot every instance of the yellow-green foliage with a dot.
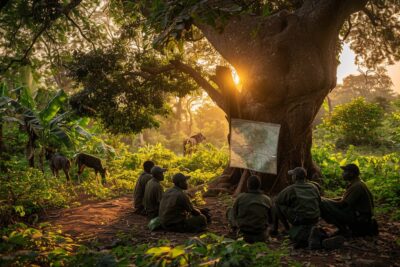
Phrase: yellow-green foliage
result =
(26, 246)
(381, 173)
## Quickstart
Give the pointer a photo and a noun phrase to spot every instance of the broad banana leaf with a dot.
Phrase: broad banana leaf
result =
(53, 106)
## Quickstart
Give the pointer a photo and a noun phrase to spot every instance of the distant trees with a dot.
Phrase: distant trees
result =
(375, 87)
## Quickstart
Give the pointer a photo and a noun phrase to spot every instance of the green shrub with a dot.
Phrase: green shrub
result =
(356, 122)
(42, 246)
(212, 250)
(25, 191)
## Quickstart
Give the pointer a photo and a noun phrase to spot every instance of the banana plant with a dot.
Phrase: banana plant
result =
(46, 127)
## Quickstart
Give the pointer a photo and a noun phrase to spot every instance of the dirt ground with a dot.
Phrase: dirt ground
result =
(103, 221)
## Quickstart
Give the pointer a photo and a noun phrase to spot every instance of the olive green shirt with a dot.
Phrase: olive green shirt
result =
(175, 207)
(252, 211)
(140, 186)
(152, 197)
(302, 199)
(359, 198)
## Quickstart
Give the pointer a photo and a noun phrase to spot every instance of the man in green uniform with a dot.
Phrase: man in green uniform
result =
(251, 212)
(353, 214)
(140, 186)
(177, 212)
(298, 204)
(153, 192)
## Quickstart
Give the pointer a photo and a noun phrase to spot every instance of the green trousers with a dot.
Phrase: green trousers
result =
(299, 230)
(193, 224)
(344, 217)
(334, 213)
(248, 236)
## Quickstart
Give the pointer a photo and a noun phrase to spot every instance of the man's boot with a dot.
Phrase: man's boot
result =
(333, 242)
(314, 240)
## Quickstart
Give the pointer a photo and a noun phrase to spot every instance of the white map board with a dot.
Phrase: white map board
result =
(254, 145)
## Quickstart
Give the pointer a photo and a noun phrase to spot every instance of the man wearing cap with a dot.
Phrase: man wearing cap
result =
(177, 212)
(353, 214)
(153, 192)
(298, 204)
(251, 212)
(140, 186)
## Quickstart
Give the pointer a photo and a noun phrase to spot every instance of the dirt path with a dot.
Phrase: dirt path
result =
(105, 220)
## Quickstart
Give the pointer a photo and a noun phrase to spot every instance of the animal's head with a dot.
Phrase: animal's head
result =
(49, 153)
(201, 137)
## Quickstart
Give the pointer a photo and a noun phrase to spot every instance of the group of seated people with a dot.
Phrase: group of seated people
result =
(298, 207)
(173, 209)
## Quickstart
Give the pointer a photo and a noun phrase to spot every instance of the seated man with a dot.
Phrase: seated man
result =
(298, 204)
(251, 212)
(140, 186)
(177, 212)
(353, 214)
(153, 192)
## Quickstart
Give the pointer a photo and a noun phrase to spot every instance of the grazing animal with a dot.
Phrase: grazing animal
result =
(58, 162)
(190, 143)
(85, 160)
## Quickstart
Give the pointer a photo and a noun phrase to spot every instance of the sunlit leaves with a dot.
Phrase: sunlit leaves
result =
(357, 121)
(118, 91)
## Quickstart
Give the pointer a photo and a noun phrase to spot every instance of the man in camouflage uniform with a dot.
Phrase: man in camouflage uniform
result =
(353, 214)
(298, 204)
(251, 212)
(140, 186)
(153, 192)
(177, 213)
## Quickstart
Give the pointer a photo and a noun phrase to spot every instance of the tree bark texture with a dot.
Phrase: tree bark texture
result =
(287, 64)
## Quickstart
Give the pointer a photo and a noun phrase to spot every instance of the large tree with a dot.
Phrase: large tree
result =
(285, 53)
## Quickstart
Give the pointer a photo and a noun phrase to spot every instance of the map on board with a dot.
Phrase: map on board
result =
(254, 145)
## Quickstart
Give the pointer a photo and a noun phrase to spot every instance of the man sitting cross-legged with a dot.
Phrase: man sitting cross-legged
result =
(353, 214)
(251, 212)
(140, 186)
(177, 213)
(298, 204)
(153, 192)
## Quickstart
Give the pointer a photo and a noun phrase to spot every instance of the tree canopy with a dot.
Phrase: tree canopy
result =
(123, 49)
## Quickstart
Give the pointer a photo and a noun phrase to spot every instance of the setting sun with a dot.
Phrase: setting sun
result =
(235, 76)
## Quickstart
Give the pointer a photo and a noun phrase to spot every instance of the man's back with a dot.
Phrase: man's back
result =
(303, 199)
(152, 197)
(140, 187)
(359, 198)
(252, 211)
(174, 207)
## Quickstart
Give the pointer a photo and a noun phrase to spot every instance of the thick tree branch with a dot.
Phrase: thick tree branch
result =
(159, 70)
(211, 91)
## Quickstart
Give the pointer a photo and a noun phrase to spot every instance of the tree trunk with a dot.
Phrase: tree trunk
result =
(30, 147)
(287, 65)
(178, 115)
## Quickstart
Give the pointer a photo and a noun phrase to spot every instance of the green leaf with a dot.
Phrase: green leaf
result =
(158, 251)
(53, 106)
